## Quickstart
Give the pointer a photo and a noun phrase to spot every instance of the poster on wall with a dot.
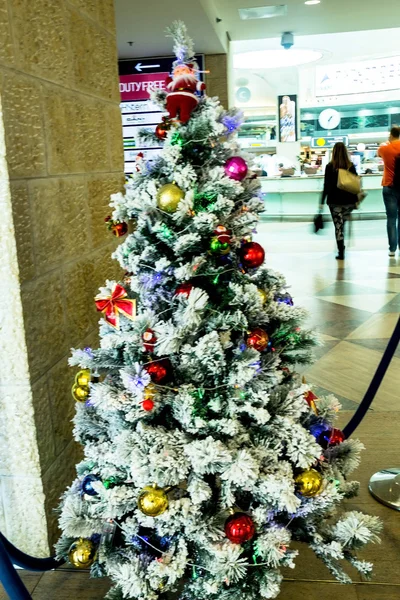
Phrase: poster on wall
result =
(287, 118)
(137, 79)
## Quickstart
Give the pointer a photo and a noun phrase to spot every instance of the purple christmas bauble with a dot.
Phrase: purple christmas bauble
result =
(284, 299)
(236, 168)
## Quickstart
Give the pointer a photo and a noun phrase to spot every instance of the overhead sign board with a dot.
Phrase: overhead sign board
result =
(137, 80)
(329, 141)
(368, 76)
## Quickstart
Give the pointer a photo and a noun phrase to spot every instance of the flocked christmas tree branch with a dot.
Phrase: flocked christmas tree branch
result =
(204, 454)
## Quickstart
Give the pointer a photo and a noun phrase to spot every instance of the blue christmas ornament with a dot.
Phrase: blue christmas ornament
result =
(87, 487)
(147, 541)
(141, 541)
(165, 543)
(318, 429)
(223, 260)
(96, 537)
(284, 299)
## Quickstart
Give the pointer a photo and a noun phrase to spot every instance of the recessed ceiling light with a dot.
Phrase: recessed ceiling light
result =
(273, 59)
(310, 2)
(263, 12)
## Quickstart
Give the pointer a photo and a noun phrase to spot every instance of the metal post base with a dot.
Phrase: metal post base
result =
(385, 487)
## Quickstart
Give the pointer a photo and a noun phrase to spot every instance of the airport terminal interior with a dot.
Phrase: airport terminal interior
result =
(80, 121)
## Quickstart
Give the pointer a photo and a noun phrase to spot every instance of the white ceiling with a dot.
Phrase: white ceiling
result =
(144, 22)
(265, 84)
(336, 47)
(330, 16)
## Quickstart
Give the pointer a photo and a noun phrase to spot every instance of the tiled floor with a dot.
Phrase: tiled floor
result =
(355, 306)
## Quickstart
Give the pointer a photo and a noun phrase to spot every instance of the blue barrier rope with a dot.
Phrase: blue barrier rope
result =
(9, 578)
(30, 563)
(375, 383)
(12, 584)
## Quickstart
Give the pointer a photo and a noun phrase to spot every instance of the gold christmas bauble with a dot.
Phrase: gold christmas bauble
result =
(80, 393)
(309, 483)
(153, 501)
(83, 378)
(263, 295)
(149, 391)
(82, 553)
(169, 196)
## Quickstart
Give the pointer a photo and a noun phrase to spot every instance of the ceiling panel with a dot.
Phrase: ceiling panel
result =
(330, 16)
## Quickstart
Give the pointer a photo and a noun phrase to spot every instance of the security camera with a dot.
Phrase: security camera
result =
(287, 40)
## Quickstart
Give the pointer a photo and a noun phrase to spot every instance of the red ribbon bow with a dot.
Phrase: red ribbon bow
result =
(117, 303)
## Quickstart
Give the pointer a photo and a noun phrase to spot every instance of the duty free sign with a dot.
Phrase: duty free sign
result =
(139, 86)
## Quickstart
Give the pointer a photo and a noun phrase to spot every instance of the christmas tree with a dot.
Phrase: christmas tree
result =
(205, 455)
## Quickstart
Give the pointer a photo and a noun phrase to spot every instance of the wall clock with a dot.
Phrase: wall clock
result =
(329, 118)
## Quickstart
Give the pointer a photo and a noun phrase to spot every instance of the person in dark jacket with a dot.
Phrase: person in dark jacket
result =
(340, 202)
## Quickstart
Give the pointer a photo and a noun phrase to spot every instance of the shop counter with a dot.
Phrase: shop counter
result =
(296, 198)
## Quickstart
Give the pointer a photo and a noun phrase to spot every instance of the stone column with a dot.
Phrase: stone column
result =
(217, 79)
(60, 159)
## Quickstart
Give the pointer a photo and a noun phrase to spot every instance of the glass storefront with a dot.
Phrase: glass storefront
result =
(292, 186)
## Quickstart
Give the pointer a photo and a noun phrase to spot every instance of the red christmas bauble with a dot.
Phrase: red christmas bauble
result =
(163, 128)
(149, 340)
(258, 339)
(119, 229)
(184, 289)
(159, 370)
(331, 437)
(148, 405)
(337, 437)
(252, 255)
(239, 528)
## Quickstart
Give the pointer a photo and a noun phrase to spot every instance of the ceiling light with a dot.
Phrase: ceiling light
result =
(263, 12)
(311, 2)
(274, 59)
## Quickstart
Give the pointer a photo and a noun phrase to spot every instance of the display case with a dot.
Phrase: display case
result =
(258, 133)
(298, 198)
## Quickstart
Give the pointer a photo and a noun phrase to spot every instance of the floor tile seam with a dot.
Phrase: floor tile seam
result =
(37, 583)
(345, 341)
(335, 582)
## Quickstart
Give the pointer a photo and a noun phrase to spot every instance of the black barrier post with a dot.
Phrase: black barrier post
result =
(10, 556)
(375, 383)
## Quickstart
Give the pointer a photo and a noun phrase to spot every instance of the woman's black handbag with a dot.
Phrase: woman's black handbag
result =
(318, 222)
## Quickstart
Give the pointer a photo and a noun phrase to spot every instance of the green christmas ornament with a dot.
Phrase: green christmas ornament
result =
(200, 408)
(110, 482)
(165, 231)
(204, 202)
(217, 247)
(177, 140)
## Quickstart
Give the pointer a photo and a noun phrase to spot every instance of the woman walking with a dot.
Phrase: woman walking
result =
(340, 202)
